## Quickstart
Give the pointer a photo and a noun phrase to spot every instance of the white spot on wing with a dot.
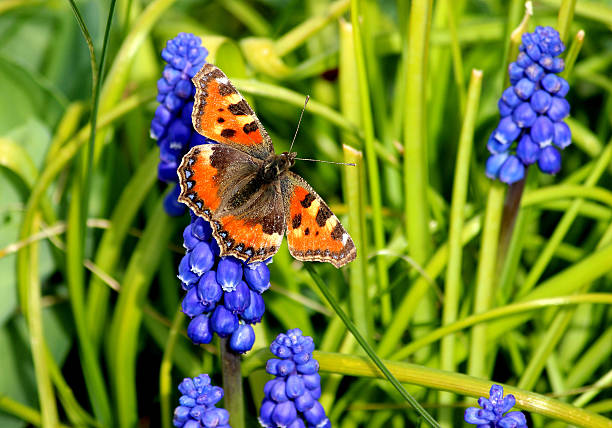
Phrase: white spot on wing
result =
(222, 80)
(345, 238)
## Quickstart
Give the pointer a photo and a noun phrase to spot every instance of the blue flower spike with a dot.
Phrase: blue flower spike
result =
(197, 405)
(532, 110)
(223, 293)
(491, 411)
(291, 397)
(171, 125)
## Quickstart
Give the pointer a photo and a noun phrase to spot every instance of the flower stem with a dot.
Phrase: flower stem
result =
(511, 208)
(232, 384)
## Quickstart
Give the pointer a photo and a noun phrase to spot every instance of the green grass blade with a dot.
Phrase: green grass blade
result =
(367, 348)
(165, 370)
(124, 329)
(457, 57)
(76, 234)
(21, 411)
(117, 77)
(565, 18)
(462, 384)
(294, 38)
(109, 249)
(248, 15)
(410, 301)
(75, 413)
(367, 124)
(453, 285)
(30, 294)
(485, 281)
(564, 224)
(358, 273)
(75, 239)
(572, 54)
(500, 313)
(415, 139)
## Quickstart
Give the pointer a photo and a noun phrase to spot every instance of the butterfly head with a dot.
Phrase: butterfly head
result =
(287, 160)
(276, 165)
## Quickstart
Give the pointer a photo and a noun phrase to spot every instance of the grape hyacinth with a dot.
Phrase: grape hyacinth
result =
(171, 125)
(532, 110)
(223, 293)
(492, 413)
(291, 398)
(197, 405)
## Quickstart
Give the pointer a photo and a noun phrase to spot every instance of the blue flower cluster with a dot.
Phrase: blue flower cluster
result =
(532, 110)
(197, 405)
(223, 293)
(492, 413)
(291, 398)
(171, 126)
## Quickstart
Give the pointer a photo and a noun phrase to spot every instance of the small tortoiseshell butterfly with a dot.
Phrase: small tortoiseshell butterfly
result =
(246, 191)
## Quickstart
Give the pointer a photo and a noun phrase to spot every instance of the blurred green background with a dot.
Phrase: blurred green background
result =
(62, 325)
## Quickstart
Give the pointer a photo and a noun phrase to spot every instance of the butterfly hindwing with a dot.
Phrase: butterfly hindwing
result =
(314, 233)
(248, 221)
(220, 113)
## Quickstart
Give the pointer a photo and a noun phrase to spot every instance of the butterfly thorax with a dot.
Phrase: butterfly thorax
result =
(270, 170)
(275, 166)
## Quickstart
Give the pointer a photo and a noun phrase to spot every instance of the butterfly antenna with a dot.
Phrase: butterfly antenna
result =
(299, 121)
(324, 161)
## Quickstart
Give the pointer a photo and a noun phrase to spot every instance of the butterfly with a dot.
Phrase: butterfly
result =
(246, 191)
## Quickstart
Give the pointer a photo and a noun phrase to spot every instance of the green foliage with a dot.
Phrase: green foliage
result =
(447, 295)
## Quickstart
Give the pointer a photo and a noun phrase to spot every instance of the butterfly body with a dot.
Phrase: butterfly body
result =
(247, 191)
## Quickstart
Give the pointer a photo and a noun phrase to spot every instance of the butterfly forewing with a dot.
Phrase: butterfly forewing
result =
(222, 114)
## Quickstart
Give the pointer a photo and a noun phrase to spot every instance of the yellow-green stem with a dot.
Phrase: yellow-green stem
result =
(453, 285)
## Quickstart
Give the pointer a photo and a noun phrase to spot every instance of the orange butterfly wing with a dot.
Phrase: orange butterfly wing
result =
(207, 174)
(222, 114)
(314, 233)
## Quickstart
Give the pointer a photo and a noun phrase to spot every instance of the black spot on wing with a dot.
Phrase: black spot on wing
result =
(226, 89)
(296, 221)
(250, 127)
(220, 120)
(322, 215)
(307, 200)
(215, 74)
(228, 133)
(241, 108)
(307, 231)
(337, 232)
